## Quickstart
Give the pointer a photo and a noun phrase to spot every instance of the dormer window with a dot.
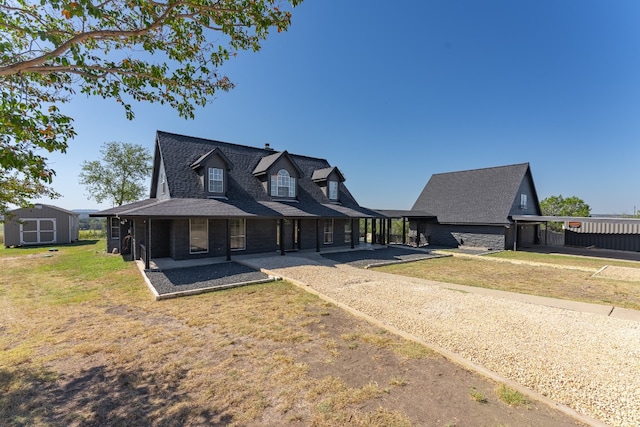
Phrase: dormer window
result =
(213, 168)
(283, 184)
(216, 180)
(329, 179)
(333, 190)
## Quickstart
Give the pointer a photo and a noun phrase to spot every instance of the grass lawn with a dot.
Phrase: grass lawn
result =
(82, 342)
(568, 260)
(540, 280)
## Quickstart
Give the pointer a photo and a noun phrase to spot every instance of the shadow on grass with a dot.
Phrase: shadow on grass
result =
(77, 243)
(101, 397)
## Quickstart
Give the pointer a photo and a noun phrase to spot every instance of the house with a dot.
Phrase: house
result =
(210, 199)
(40, 225)
(475, 208)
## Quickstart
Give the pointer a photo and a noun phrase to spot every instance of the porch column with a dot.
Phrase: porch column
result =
(298, 225)
(373, 231)
(388, 231)
(353, 232)
(228, 239)
(317, 235)
(404, 230)
(147, 244)
(515, 237)
(366, 223)
(282, 245)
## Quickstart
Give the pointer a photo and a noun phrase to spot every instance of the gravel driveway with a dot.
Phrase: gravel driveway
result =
(588, 362)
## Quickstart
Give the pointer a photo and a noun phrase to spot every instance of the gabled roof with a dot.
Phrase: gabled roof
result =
(246, 196)
(68, 212)
(479, 196)
(216, 151)
(323, 174)
(267, 161)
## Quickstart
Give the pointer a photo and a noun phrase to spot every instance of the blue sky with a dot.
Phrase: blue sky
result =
(393, 92)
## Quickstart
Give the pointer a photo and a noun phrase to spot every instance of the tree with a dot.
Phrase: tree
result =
(127, 50)
(560, 206)
(119, 175)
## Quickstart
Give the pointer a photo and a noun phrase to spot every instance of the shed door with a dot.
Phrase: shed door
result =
(35, 231)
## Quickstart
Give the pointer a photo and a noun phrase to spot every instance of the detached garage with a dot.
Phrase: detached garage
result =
(40, 225)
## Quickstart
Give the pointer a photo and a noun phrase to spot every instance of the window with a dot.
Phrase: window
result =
(198, 235)
(347, 231)
(328, 231)
(216, 183)
(238, 233)
(283, 185)
(115, 228)
(333, 190)
(163, 182)
(523, 201)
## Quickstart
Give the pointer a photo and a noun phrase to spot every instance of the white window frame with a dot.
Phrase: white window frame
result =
(328, 232)
(163, 182)
(333, 190)
(285, 182)
(38, 231)
(523, 201)
(203, 248)
(216, 180)
(347, 231)
(238, 233)
(112, 227)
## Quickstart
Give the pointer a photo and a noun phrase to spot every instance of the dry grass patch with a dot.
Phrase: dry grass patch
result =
(82, 342)
(527, 279)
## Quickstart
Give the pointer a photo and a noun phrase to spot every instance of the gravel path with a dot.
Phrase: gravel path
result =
(588, 362)
(204, 276)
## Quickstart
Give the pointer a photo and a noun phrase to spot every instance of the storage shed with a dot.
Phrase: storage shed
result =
(40, 225)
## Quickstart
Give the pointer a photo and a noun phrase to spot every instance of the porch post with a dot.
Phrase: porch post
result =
(388, 231)
(298, 223)
(515, 237)
(366, 224)
(317, 235)
(353, 232)
(147, 252)
(404, 230)
(228, 239)
(282, 245)
(373, 231)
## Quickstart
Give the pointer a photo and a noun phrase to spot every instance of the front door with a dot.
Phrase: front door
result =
(290, 234)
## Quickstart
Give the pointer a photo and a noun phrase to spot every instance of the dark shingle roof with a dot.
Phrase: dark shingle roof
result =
(246, 197)
(266, 162)
(323, 174)
(479, 196)
(198, 163)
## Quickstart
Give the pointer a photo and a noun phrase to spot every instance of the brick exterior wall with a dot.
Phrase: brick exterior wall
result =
(170, 238)
(454, 235)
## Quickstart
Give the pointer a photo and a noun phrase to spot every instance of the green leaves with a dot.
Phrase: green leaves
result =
(50, 50)
(119, 175)
(560, 206)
